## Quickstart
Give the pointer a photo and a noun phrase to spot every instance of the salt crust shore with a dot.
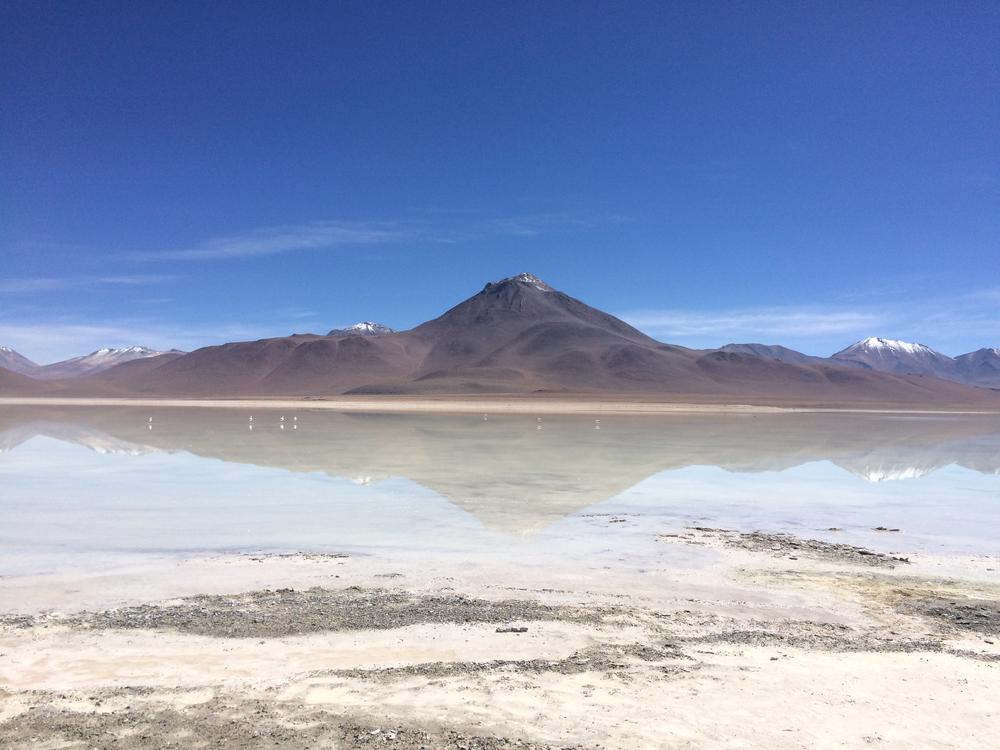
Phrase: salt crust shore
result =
(542, 404)
(763, 641)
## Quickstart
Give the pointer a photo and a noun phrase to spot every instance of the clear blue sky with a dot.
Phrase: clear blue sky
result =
(181, 173)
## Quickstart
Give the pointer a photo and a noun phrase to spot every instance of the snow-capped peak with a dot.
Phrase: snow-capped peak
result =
(364, 328)
(900, 357)
(107, 351)
(368, 326)
(878, 343)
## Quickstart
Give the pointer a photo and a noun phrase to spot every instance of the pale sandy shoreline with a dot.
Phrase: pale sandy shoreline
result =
(758, 648)
(485, 405)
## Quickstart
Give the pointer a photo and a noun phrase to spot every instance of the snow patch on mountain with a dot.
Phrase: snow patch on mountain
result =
(364, 328)
(877, 343)
(531, 280)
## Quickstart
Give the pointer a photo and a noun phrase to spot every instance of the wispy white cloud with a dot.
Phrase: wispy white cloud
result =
(317, 235)
(331, 235)
(532, 225)
(987, 295)
(767, 323)
(56, 284)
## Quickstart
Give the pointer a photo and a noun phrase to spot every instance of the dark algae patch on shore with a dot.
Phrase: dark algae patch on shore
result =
(358, 736)
(233, 724)
(961, 613)
(790, 546)
(786, 544)
(287, 612)
(605, 659)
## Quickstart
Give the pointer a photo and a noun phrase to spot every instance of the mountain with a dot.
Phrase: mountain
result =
(981, 367)
(520, 334)
(773, 351)
(901, 357)
(365, 328)
(516, 336)
(15, 362)
(89, 364)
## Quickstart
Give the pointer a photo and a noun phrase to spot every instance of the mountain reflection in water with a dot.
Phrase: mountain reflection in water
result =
(513, 473)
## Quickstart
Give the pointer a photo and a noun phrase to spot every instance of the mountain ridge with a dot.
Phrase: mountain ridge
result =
(980, 368)
(518, 335)
(94, 362)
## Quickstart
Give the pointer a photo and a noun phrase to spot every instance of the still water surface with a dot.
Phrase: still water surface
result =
(78, 482)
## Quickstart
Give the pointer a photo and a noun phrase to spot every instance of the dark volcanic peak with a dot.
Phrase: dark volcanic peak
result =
(514, 307)
(364, 328)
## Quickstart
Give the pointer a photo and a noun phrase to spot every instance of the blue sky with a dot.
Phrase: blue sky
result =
(178, 174)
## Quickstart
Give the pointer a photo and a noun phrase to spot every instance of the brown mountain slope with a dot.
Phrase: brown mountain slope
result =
(15, 384)
(518, 335)
(300, 365)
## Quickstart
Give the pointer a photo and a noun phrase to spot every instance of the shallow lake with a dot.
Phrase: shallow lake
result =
(78, 483)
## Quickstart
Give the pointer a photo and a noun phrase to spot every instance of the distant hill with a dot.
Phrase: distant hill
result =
(774, 351)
